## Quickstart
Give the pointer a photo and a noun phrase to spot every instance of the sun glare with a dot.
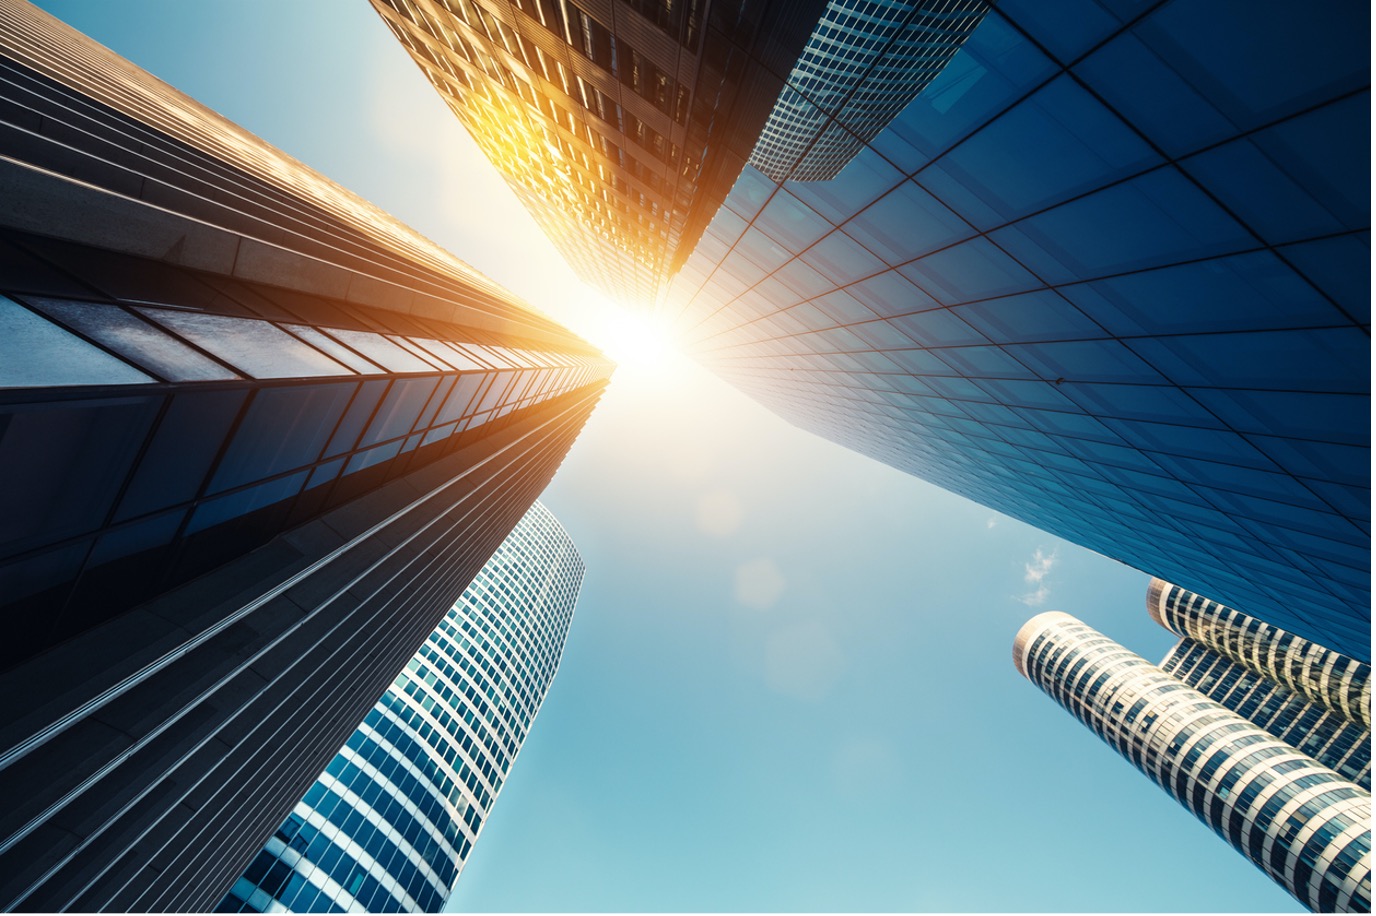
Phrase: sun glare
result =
(632, 339)
(635, 341)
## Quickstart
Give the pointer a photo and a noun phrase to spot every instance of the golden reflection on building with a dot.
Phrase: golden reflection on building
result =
(621, 142)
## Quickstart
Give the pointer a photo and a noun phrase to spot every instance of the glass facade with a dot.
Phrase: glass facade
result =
(1310, 697)
(256, 435)
(1107, 274)
(305, 417)
(620, 124)
(388, 825)
(1340, 744)
(865, 61)
(1284, 779)
(1320, 675)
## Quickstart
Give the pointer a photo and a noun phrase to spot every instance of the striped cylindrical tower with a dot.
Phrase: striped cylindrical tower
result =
(1297, 820)
(388, 826)
(1328, 678)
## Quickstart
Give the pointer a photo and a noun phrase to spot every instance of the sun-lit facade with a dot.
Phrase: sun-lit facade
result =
(865, 61)
(256, 436)
(1107, 274)
(388, 825)
(620, 124)
(1216, 751)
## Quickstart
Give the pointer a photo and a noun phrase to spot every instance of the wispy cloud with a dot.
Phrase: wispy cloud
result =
(1035, 573)
(991, 522)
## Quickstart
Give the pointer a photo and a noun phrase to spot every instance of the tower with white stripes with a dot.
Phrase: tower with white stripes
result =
(1263, 736)
(389, 824)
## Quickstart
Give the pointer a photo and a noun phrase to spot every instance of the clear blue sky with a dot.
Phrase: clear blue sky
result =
(788, 684)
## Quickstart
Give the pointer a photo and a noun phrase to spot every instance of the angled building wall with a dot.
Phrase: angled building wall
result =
(1106, 274)
(620, 124)
(256, 436)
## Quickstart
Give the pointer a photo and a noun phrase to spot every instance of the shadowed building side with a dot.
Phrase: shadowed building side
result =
(256, 436)
(863, 64)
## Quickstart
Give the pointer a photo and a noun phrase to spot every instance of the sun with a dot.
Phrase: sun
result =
(640, 343)
(635, 341)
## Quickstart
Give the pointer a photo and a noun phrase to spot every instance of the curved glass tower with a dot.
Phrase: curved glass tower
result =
(1335, 682)
(388, 825)
(1223, 742)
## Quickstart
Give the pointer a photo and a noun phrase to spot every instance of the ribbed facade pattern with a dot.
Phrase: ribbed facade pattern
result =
(258, 437)
(1325, 677)
(1297, 820)
(1340, 744)
(388, 825)
(866, 60)
(75, 109)
(620, 124)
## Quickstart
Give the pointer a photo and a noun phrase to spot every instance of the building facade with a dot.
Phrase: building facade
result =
(256, 436)
(1310, 697)
(389, 824)
(1101, 275)
(865, 61)
(620, 124)
(1283, 778)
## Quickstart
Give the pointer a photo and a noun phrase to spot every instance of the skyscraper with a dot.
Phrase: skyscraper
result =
(863, 64)
(389, 824)
(255, 437)
(1308, 696)
(620, 124)
(1263, 736)
(1106, 273)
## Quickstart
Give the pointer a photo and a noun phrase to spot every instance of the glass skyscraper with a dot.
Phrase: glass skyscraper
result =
(255, 437)
(388, 825)
(1263, 736)
(863, 64)
(620, 124)
(1107, 274)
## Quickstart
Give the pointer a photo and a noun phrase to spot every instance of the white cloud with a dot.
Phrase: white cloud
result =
(1035, 573)
(991, 522)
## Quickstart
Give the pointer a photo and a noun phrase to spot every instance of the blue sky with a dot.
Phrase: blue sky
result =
(788, 685)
